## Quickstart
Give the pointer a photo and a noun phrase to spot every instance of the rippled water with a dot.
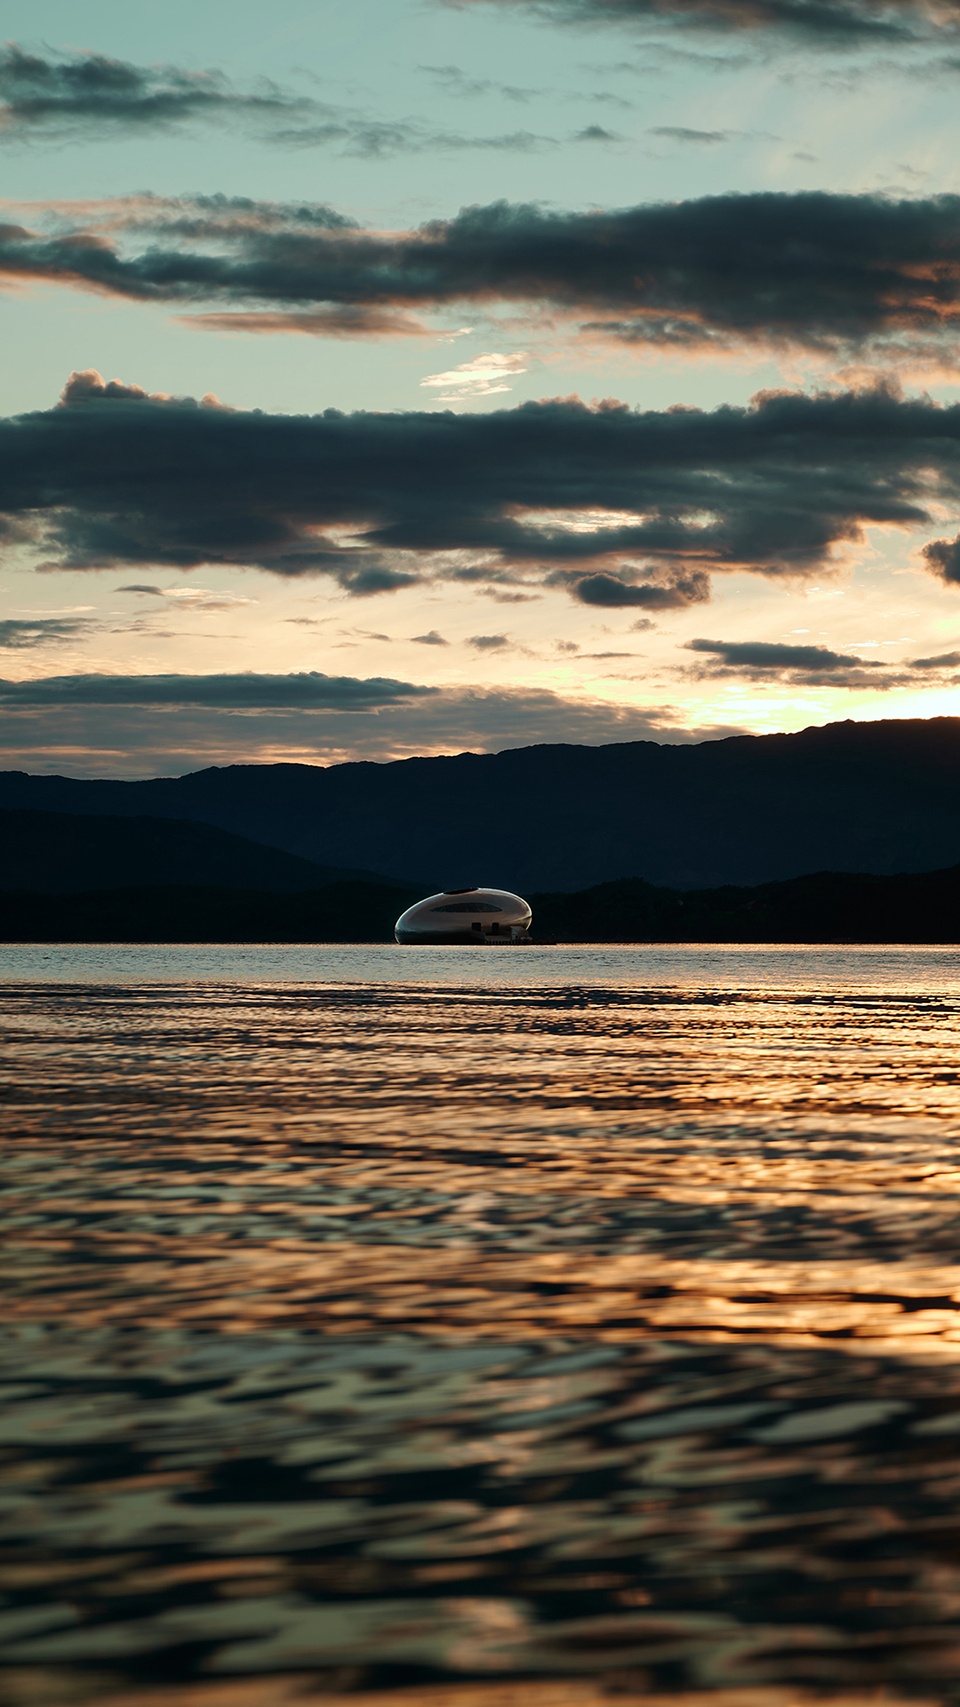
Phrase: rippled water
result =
(476, 1328)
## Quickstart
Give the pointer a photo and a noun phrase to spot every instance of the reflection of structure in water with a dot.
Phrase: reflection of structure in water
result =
(466, 915)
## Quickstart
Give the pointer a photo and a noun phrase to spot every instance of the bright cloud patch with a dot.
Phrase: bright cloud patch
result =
(484, 376)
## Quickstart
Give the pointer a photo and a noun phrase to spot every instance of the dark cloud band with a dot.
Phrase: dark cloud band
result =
(90, 97)
(112, 478)
(832, 272)
(67, 93)
(762, 655)
(813, 666)
(307, 690)
(821, 23)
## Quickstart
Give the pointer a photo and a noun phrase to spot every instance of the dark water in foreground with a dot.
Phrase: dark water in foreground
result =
(480, 1328)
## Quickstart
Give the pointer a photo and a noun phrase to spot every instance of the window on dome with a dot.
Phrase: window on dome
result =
(467, 907)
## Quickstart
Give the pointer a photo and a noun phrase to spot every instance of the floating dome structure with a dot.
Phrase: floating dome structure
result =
(466, 916)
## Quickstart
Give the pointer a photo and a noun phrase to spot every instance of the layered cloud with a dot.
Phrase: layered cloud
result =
(203, 599)
(615, 506)
(942, 661)
(248, 691)
(819, 23)
(18, 634)
(90, 97)
(671, 591)
(815, 666)
(763, 654)
(68, 94)
(170, 724)
(840, 273)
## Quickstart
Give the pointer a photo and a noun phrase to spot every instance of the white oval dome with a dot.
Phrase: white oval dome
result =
(466, 916)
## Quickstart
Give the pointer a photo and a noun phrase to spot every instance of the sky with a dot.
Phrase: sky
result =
(413, 377)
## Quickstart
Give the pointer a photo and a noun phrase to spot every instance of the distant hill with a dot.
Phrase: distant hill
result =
(861, 797)
(60, 852)
(824, 907)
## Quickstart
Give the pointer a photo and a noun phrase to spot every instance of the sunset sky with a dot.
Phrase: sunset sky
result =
(406, 377)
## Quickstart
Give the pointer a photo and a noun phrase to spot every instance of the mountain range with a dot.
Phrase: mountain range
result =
(877, 798)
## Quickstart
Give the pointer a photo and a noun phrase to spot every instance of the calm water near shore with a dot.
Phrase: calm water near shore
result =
(477, 1328)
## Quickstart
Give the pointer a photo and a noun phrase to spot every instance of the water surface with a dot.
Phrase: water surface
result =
(471, 1328)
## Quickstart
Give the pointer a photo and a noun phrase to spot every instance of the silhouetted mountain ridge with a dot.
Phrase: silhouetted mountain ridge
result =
(824, 906)
(860, 797)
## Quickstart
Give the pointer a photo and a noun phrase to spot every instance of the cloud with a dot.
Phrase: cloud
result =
(942, 661)
(680, 133)
(489, 642)
(346, 322)
(90, 97)
(371, 577)
(431, 639)
(374, 139)
(70, 94)
(672, 592)
(852, 275)
(598, 133)
(942, 557)
(757, 654)
(549, 494)
(453, 80)
(815, 666)
(239, 692)
(817, 23)
(484, 376)
(71, 722)
(25, 634)
(191, 598)
(503, 596)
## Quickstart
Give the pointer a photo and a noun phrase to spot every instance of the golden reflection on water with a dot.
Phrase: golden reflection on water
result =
(474, 1346)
